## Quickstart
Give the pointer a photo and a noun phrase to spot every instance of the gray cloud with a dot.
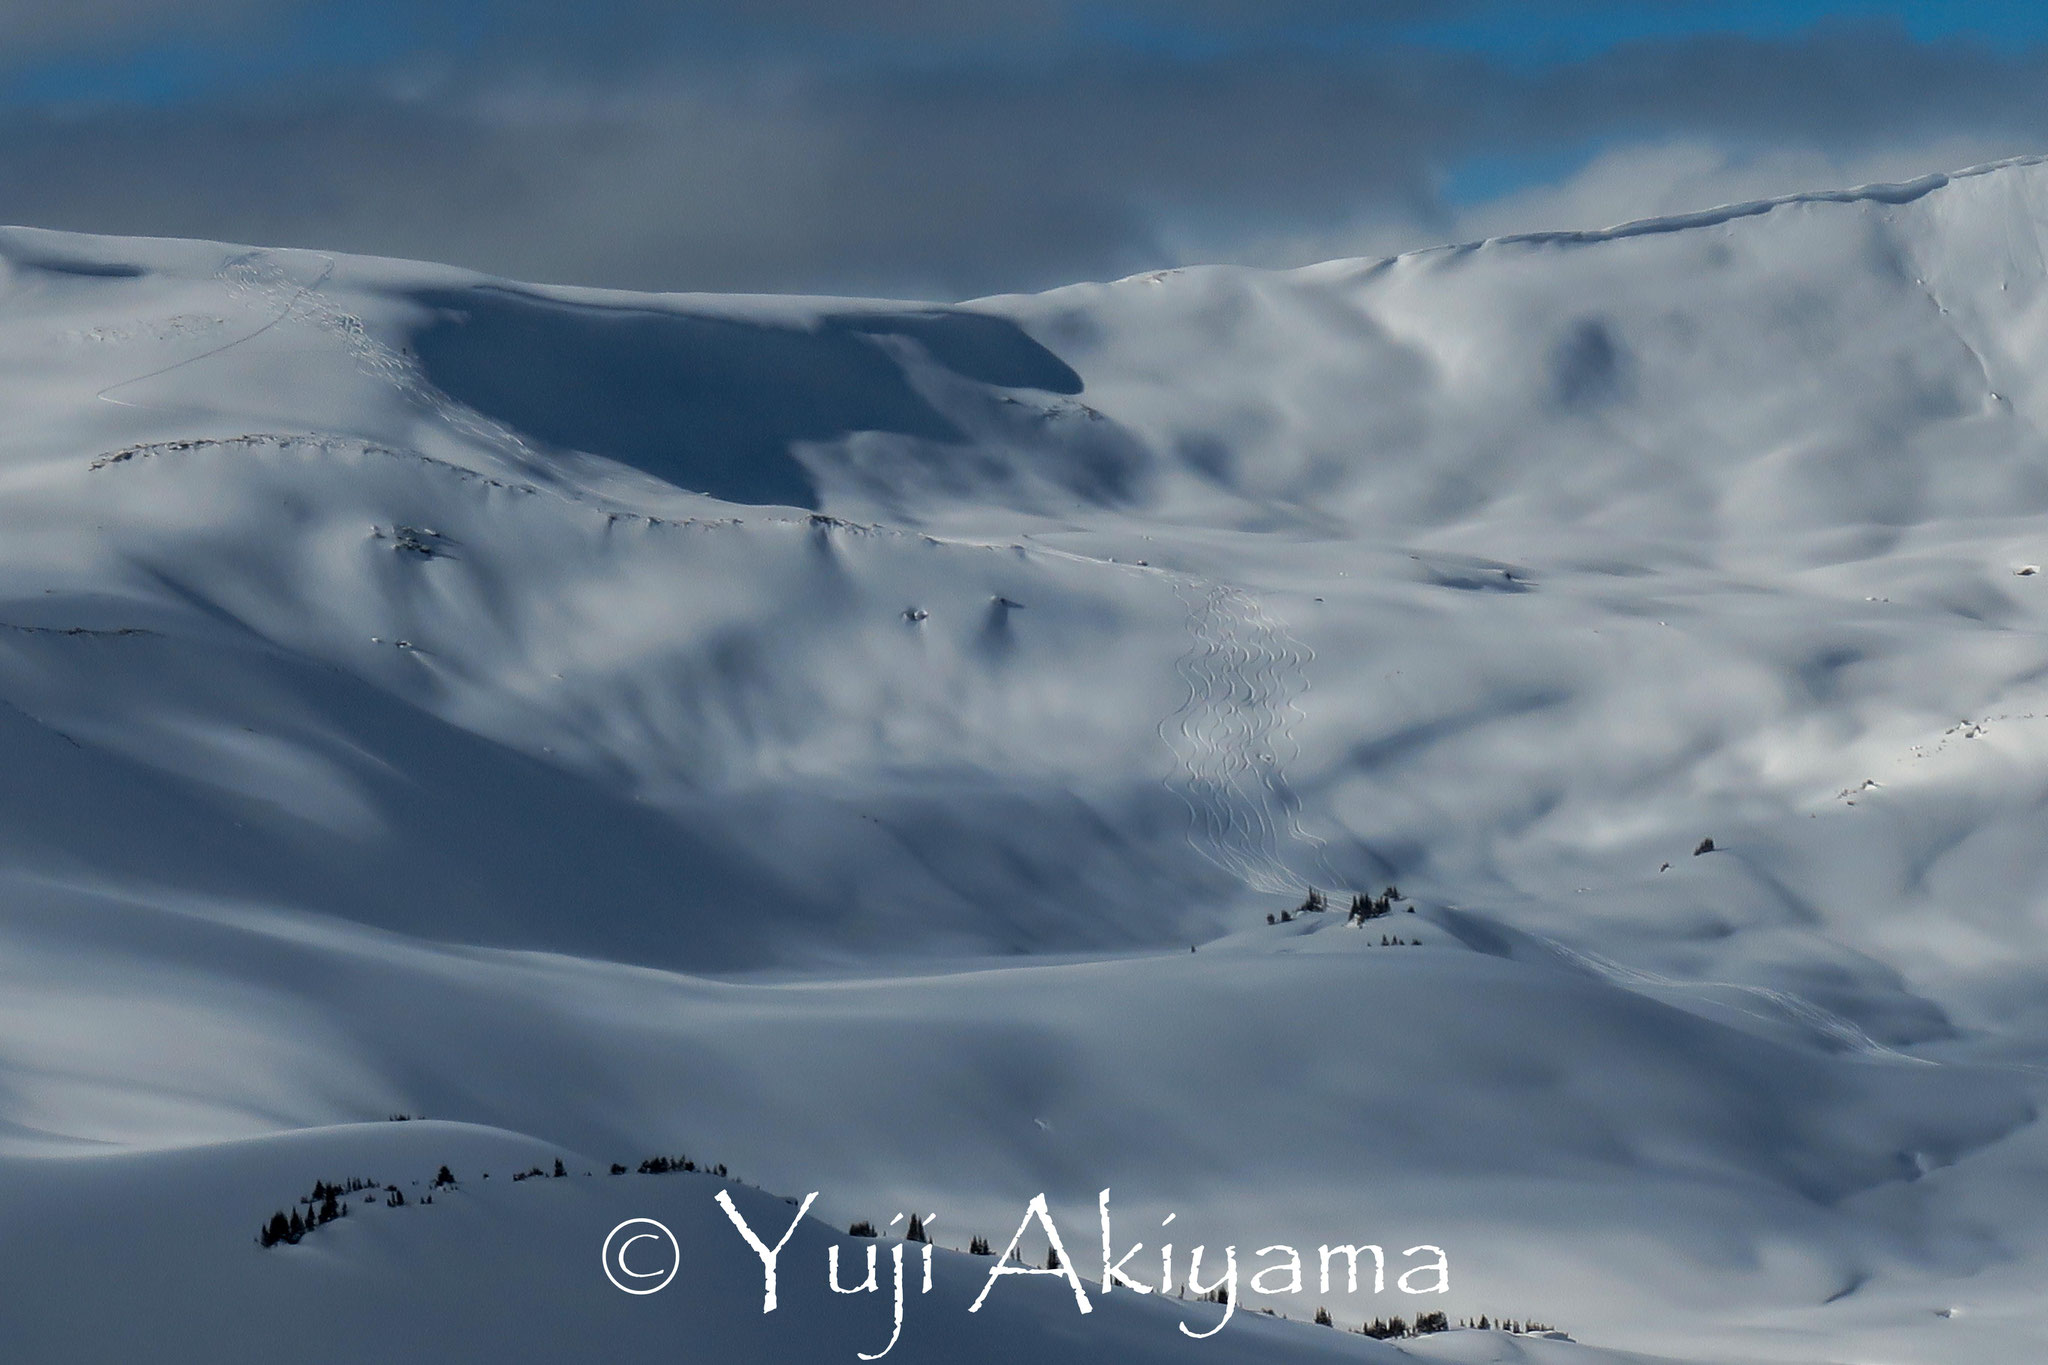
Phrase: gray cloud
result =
(743, 163)
(31, 30)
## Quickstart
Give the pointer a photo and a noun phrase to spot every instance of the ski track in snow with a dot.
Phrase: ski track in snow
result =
(1234, 735)
(260, 277)
(1824, 1022)
(1245, 672)
(258, 272)
(278, 289)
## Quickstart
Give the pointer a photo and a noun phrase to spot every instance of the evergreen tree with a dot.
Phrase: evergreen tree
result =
(1323, 1317)
(559, 1172)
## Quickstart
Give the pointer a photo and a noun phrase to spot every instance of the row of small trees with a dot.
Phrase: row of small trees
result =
(329, 1202)
(914, 1233)
(1363, 907)
(663, 1165)
(1426, 1323)
(325, 1204)
(1397, 1326)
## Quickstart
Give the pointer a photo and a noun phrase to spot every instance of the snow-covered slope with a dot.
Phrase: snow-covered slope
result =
(812, 733)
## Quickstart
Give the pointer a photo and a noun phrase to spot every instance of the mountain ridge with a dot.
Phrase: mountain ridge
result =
(898, 752)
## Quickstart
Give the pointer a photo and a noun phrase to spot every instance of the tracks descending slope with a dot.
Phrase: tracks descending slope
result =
(1781, 1006)
(1234, 736)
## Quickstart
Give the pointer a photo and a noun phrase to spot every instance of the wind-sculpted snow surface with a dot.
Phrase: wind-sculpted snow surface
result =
(813, 734)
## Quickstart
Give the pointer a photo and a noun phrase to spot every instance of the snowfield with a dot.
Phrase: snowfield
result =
(812, 734)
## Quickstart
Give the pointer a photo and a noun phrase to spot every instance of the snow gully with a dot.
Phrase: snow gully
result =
(1281, 1270)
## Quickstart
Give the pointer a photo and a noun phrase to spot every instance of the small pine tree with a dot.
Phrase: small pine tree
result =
(861, 1229)
(296, 1228)
(978, 1246)
(443, 1178)
(1323, 1318)
(1052, 1259)
(916, 1231)
(559, 1172)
